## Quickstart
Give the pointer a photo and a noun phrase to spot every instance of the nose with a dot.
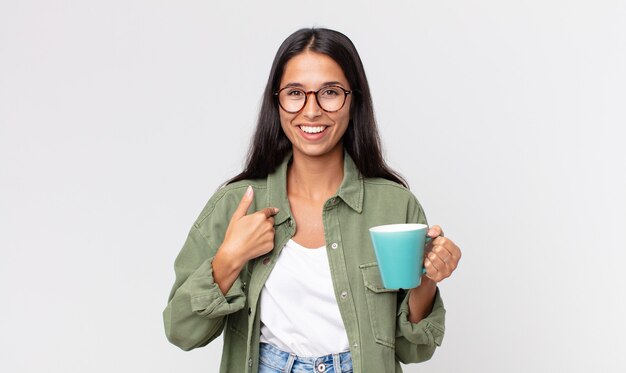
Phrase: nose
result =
(311, 108)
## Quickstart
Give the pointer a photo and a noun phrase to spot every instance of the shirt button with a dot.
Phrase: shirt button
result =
(249, 311)
(356, 345)
(334, 245)
(290, 222)
(249, 362)
(266, 261)
(344, 294)
(321, 368)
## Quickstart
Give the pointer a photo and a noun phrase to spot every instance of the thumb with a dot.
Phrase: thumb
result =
(245, 203)
(435, 231)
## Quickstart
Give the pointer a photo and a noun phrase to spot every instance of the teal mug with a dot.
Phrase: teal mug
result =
(399, 251)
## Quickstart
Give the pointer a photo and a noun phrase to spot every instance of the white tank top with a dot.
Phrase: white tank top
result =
(299, 311)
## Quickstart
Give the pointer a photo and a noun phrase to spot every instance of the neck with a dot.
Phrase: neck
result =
(315, 177)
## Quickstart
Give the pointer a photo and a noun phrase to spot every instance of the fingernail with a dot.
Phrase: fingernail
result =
(249, 191)
(275, 210)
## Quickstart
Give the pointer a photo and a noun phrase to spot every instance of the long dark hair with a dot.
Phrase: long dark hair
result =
(270, 145)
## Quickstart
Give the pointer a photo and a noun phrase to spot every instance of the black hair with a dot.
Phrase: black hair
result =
(270, 145)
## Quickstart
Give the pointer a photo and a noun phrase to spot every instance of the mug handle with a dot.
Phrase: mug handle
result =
(428, 239)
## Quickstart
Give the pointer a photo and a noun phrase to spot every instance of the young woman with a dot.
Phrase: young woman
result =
(280, 259)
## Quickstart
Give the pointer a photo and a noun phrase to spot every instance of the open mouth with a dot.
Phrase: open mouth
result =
(313, 129)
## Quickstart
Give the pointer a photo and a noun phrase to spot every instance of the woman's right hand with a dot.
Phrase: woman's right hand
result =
(247, 237)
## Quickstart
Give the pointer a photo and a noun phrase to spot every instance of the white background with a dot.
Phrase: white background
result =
(119, 119)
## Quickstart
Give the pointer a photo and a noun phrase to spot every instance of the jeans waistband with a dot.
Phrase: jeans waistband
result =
(281, 361)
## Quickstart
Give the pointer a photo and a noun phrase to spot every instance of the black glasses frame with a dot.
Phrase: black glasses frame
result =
(317, 100)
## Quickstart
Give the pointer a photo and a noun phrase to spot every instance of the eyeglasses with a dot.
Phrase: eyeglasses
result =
(329, 98)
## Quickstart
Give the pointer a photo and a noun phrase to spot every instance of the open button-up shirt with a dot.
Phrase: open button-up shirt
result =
(375, 318)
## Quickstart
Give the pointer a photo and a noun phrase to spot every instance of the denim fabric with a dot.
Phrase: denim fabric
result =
(273, 360)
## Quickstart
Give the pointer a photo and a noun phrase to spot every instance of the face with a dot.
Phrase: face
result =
(312, 131)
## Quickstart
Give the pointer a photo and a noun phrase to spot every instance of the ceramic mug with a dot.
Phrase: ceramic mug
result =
(399, 251)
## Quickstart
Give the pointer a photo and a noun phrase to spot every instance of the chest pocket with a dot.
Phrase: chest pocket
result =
(382, 305)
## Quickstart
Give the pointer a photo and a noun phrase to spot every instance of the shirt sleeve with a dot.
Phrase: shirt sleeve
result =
(196, 310)
(417, 342)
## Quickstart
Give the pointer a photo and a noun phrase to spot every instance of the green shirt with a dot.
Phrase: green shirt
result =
(375, 318)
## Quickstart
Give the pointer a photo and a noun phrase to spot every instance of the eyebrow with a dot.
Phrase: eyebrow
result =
(299, 85)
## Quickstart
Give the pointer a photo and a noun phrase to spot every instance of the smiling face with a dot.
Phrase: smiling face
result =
(312, 131)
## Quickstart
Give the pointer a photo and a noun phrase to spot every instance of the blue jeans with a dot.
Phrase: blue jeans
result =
(273, 360)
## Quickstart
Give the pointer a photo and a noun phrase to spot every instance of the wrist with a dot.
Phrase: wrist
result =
(426, 288)
(228, 260)
(427, 283)
(421, 300)
(226, 269)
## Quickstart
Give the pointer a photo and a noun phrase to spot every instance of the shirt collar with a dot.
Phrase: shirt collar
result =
(350, 191)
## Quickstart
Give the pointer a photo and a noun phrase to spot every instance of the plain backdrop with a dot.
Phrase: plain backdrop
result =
(119, 119)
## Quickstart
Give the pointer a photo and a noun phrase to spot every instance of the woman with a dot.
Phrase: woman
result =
(280, 258)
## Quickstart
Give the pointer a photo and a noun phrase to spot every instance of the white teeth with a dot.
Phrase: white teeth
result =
(309, 129)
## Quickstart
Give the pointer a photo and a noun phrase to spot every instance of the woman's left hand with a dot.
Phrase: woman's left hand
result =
(441, 256)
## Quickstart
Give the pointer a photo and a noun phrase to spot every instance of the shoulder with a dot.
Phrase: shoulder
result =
(226, 199)
(386, 197)
(376, 185)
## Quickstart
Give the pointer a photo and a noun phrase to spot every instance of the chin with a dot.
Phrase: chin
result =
(317, 151)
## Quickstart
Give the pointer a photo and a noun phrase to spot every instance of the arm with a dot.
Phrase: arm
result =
(441, 259)
(208, 286)
(195, 313)
(416, 342)
(421, 315)
(421, 320)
